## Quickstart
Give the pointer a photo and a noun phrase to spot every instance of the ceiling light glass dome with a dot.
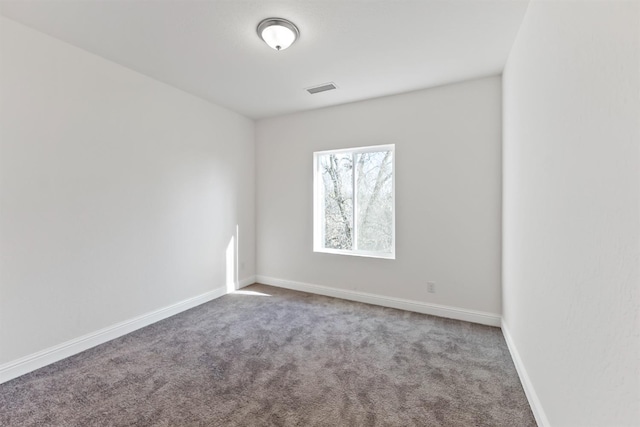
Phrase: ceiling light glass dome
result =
(278, 33)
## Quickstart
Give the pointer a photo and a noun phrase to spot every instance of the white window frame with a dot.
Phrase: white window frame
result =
(318, 197)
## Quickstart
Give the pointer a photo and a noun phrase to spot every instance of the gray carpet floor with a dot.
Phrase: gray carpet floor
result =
(287, 359)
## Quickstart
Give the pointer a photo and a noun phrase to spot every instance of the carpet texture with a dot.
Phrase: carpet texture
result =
(287, 359)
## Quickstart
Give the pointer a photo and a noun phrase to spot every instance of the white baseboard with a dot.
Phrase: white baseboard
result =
(402, 304)
(16, 368)
(532, 396)
(246, 282)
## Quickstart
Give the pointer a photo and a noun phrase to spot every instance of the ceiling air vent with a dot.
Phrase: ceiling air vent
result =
(322, 88)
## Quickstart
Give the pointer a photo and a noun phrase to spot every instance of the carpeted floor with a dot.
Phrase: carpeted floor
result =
(287, 359)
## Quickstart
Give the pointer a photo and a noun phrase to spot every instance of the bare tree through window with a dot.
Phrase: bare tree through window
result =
(356, 200)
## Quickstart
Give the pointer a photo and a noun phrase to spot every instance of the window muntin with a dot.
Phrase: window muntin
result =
(363, 225)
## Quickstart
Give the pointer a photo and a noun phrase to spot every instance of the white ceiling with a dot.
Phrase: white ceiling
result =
(211, 49)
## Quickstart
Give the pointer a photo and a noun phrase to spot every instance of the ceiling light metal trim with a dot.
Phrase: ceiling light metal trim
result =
(269, 22)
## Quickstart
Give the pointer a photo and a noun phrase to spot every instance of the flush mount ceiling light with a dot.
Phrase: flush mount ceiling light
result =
(278, 33)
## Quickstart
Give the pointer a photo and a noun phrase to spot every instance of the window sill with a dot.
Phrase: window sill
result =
(363, 254)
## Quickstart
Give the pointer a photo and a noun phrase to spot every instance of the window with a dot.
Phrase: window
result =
(354, 206)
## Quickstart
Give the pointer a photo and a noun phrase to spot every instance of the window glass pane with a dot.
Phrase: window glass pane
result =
(337, 179)
(374, 179)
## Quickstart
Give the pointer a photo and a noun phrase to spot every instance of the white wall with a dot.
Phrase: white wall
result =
(571, 213)
(118, 194)
(448, 194)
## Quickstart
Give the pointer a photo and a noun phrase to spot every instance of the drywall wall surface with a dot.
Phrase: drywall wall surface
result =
(119, 195)
(571, 213)
(448, 194)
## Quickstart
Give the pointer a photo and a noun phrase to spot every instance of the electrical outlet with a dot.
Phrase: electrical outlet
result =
(431, 287)
(242, 266)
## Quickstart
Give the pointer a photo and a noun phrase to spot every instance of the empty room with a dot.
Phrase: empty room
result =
(320, 213)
